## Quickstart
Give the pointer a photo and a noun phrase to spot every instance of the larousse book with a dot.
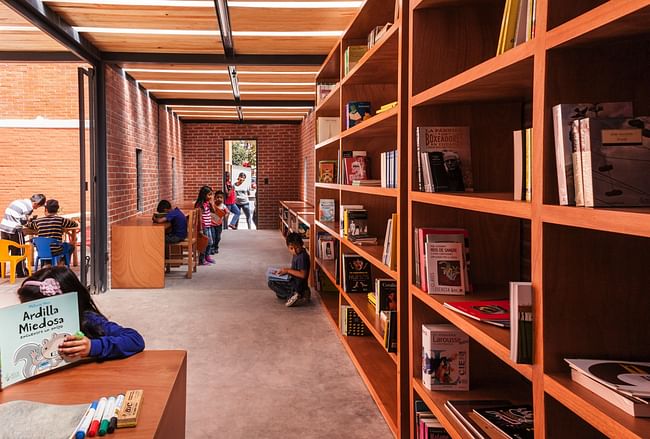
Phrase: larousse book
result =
(445, 357)
(30, 335)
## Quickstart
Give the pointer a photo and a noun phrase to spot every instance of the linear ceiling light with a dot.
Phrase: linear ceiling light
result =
(162, 81)
(234, 83)
(19, 29)
(291, 107)
(174, 107)
(162, 90)
(279, 92)
(204, 32)
(250, 72)
(210, 4)
(177, 71)
(223, 18)
(261, 116)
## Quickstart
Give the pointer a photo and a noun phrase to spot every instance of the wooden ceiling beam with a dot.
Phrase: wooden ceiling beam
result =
(41, 16)
(39, 57)
(207, 59)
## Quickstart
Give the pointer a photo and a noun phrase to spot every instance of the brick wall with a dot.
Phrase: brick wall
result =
(39, 160)
(278, 159)
(307, 143)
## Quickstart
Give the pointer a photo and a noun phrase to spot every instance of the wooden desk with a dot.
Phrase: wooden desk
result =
(138, 253)
(161, 374)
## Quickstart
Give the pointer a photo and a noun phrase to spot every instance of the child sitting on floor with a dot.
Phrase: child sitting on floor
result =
(296, 288)
(102, 338)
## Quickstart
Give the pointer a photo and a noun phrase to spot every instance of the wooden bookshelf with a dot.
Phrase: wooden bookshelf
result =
(587, 266)
(291, 214)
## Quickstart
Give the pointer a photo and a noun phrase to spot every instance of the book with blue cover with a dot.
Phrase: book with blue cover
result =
(30, 335)
(272, 274)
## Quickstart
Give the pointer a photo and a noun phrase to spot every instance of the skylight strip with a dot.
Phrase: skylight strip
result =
(173, 107)
(204, 32)
(177, 71)
(210, 4)
(164, 81)
(19, 29)
(162, 90)
(270, 117)
(279, 92)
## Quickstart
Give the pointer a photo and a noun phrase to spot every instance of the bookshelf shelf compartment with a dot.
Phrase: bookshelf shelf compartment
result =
(372, 253)
(492, 203)
(331, 227)
(630, 221)
(372, 190)
(379, 64)
(379, 125)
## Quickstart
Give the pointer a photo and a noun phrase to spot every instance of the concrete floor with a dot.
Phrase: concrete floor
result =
(256, 369)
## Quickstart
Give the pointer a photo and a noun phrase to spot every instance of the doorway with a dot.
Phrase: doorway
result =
(240, 159)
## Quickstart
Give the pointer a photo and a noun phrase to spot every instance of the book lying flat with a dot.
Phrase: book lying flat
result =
(494, 312)
(514, 421)
(462, 409)
(272, 274)
(628, 377)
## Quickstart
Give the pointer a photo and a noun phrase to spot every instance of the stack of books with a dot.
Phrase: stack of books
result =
(444, 159)
(482, 419)
(377, 33)
(426, 424)
(624, 384)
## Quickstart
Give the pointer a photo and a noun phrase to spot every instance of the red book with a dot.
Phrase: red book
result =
(495, 312)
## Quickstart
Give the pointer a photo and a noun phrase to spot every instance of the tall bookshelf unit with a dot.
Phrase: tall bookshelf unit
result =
(587, 266)
(379, 77)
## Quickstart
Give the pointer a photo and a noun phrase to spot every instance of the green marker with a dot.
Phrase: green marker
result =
(106, 417)
(79, 335)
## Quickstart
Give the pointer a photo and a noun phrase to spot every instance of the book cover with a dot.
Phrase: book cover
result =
(356, 168)
(615, 161)
(327, 249)
(495, 312)
(356, 274)
(30, 335)
(326, 210)
(272, 274)
(342, 209)
(445, 357)
(353, 323)
(357, 112)
(463, 409)
(563, 116)
(515, 421)
(327, 171)
(386, 290)
(327, 127)
(445, 268)
(629, 377)
(426, 235)
(454, 144)
(357, 223)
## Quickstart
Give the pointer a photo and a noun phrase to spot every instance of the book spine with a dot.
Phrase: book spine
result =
(562, 156)
(577, 163)
(529, 164)
(585, 159)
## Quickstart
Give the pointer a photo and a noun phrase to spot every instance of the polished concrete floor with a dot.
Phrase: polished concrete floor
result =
(256, 369)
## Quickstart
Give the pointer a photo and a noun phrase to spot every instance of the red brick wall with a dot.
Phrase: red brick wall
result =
(39, 160)
(134, 121)
(307, 142)
(278, 159)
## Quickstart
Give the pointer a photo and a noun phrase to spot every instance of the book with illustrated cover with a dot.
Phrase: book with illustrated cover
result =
(342, 209)
(445, 357)
(566, 143)
(463, 410)
(326, 210)
(445, 268)
(627, 377)
(30, 335)
(356, 223)
(272, 274)
(615, 161)
(386, 292)
(451, 166)
(327, 171)
(494, 312)
(514, 421)
(356, 168)
(357, 112)
(425, 235)
(356, 274)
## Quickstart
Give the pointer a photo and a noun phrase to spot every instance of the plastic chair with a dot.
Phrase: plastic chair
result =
(44, 251)
(13, 260)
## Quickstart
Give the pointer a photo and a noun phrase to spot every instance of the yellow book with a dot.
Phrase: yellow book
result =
(393, 247)
(511, 25)
(502, 32)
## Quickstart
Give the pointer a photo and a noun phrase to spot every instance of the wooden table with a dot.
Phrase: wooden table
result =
(138, 253)
(161, 374)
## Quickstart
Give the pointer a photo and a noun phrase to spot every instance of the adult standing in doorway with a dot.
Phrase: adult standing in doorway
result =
(242, 191)
(11, 226)
(229, 199)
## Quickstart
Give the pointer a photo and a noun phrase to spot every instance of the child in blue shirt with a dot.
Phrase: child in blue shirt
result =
(102, 339)
(297, 287)
(175, 217)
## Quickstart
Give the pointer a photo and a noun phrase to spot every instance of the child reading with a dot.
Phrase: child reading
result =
(175, 217)
(296, 288)
(102, 338)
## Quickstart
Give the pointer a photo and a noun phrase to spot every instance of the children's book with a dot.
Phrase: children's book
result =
(326, 209)
(272, 274)
(357, 112)
(327, 171)
(30, 335)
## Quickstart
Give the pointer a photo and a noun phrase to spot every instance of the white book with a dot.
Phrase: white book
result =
(386, 255)
(445, 357)
(328, 127)
(521, 294)
(576, 158)
(518, 160)
(445, 268)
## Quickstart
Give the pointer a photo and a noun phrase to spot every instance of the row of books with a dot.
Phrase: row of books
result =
(377, 33)
(517, 24)
(389, 171)
(323, 89)
(426, 424)
(326, 246)
(389, 255)
(352, 55)
(602, 155)
(444, 159)
(482, 419)
(523, 159)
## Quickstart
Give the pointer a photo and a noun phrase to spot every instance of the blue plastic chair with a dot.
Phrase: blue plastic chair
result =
(44, 251)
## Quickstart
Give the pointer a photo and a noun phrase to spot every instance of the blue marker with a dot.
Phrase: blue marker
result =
(82, 428)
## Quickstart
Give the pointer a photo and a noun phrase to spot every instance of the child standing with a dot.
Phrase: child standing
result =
(220, 213)
(297, 287)
(102, 338)
(204, 202)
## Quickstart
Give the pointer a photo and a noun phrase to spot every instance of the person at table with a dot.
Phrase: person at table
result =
(176, 219)
(52, 226)
(102, 339)
(16, 215)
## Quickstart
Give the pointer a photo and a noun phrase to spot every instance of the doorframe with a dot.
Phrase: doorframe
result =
(257, 168)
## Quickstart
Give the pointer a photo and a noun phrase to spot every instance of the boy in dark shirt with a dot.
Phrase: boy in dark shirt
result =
(175, 217)
(297, 287)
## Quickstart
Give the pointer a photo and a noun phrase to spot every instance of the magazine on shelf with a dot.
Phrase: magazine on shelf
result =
(514, 421)
(463, 409)
(628, 377)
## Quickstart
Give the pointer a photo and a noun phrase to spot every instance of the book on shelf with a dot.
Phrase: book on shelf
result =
(445, 357)
(462, 411)
(356, 223)
(615, 157)
(521, 322)
(426, 424)
(392, 246)
(356, 112)
(342, 209)
(390, 330)
(494, 312)
(522, 158)
(385, 257)
(356, 168)
(517, 24)
(445, 267)
(386, 294)
(449, 169)
(363, 240)
(376, 183)
(327, 127)
(631, 378)
(423, 235)
(567, 142)
(322, 90)
(327, 248)
(326, 210)
(272, 274)
(351, 323)
(388, 165)
(327, 171)
(343, 178)
(386, 107)
(30, 336)
(513, 421)
(352, 55)
(372, 298)
(377, 33)
(356, 274)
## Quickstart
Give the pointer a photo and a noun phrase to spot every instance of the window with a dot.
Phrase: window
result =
(173, 178)
(138, 179)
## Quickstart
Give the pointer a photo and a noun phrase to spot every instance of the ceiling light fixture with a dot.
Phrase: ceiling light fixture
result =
(19, 29)
(176, 71)
(204, 32)
(234, 83)
(209, 4)
(221, 7)
(162, 90)
(162, 81)
(279, 92)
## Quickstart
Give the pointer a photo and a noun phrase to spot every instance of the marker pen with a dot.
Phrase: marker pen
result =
(79, 335)
(94, 425)
(106, 417)
(82, 428)
(118, 405)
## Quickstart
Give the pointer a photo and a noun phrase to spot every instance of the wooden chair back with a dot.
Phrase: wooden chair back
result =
(184, 252)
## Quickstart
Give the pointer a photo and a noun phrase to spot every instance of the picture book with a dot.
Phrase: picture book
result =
(327, 171)
(494, 312)
(357, 223)
(451, 166)
(356, 274)
(386, 291)
(424, 235)
(272, 274)
(445, 268)
(326, 210)
(615, 161)
(30, 335)
(342, 209)
(445, 357)
(357, 112)
(566, 142)
(463, 409)
(356, 168)
(628, 377)
(515, 421)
